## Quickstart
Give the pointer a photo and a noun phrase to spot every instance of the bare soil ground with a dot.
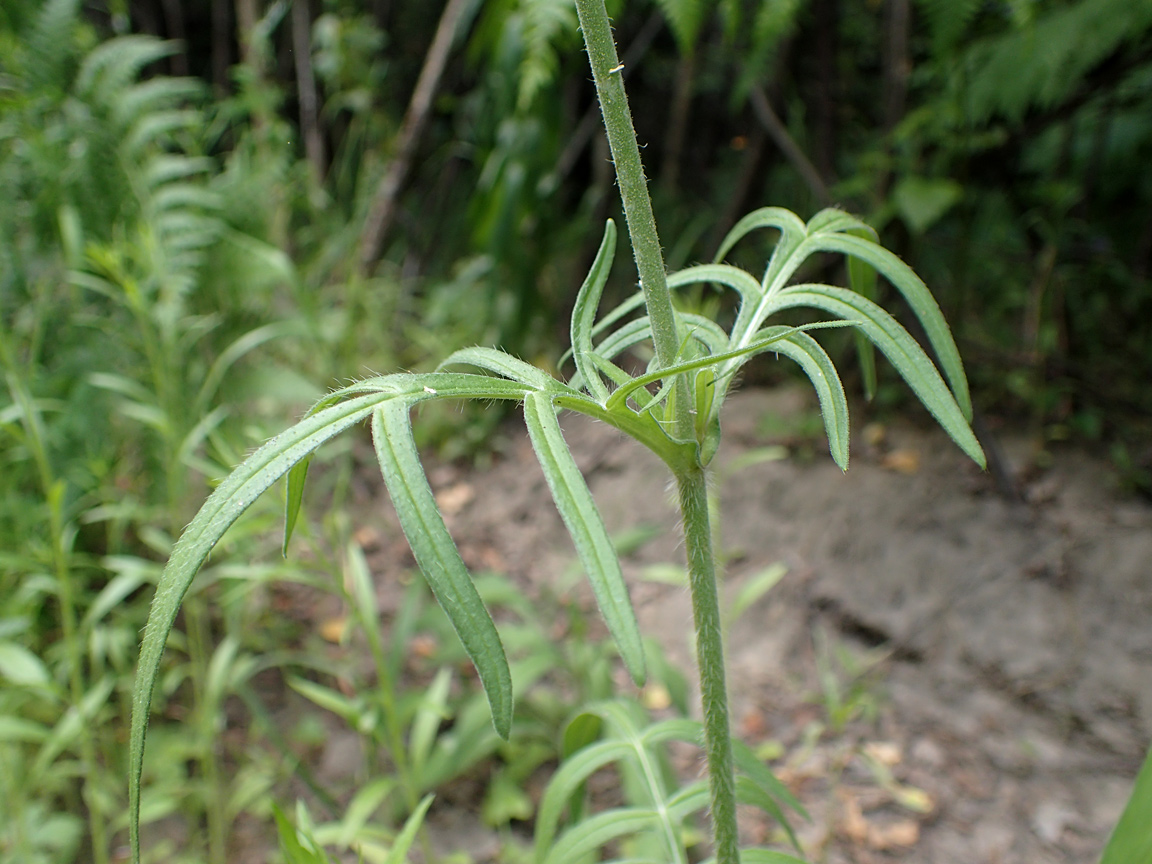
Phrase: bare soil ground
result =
(999, 653)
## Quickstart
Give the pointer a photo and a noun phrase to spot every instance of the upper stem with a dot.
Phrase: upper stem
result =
(608, 73)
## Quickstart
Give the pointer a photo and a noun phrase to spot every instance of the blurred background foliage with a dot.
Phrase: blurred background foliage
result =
(213, 210)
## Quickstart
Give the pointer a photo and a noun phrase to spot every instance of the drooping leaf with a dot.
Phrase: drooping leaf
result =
(586, 527)
(220, 511)
(504, 364)
(898, 346)
(818, 366)
(438, 557)
(919, 299)
(792, 231)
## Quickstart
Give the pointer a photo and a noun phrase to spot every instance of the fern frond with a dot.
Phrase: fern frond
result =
(111, 66)
(685, 19)
(49, 47)
(948, 19)
(545, 23)
(1042, 64)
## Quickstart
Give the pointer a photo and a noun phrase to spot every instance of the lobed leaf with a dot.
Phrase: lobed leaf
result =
(438, 557)
(586, 527)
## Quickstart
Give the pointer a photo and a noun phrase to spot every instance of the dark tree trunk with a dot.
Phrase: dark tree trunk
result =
(306, 86)
(827, 84)
(222, 40)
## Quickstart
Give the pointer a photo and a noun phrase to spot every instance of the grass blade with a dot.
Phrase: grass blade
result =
(589, 535)
(399, 852)
(438, 557)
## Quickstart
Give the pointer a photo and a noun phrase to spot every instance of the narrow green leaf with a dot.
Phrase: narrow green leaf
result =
(70, 726)
(862, 280)
(569, 777)
(790, 226)
(21, 667)
(919, 298)
(676, 729)
(818, 366)
(759, 773)
(438, 557)
(17, 730)
(431, 713)
(584, 314)
(364, 803)
(294, 498)
(898, 346)
(750, 792)
(754, 589)
(589, 535)
(581, 731)
(229, 356)
(347, 709)
(503, 364)
(741, 281)
(767, 343)
(832, 219)
(291, 848)
(597, 830)
(220, 511)
(1131, 842)
(689, 799)
(403, 842)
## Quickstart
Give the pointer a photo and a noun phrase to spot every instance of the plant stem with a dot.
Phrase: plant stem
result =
(691, 479)
(710, 657)
(608, 74)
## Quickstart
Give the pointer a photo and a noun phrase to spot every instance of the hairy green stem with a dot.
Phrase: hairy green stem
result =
(608, 73)
(693, 491)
